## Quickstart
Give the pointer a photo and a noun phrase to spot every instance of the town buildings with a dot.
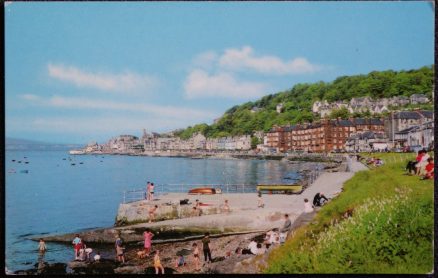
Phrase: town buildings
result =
(421, 135)
(399, 121)
(321, 136)
(364, 104)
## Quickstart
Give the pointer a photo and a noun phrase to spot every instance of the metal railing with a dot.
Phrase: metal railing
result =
(161, 189)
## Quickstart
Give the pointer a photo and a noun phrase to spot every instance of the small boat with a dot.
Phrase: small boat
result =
(24, 171)
(27, 162)
(64, 159)
(281, 188)
(204, 190)
(19, 161)
(81, 162)
(13, 160)
(76, 152)
(73, 164)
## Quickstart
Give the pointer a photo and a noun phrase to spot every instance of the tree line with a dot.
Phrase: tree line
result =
(297, 101)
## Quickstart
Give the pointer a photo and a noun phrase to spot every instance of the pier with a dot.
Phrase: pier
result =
(245, 216)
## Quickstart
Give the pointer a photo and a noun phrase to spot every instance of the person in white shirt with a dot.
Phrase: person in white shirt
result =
(307, 206)
(253, 247)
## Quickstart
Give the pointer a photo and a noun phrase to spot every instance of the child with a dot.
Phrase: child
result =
(260, 202)
(152, 211)
(226, 207)
(120, 253)
(196, 256)
(180, 261)
(157, 263)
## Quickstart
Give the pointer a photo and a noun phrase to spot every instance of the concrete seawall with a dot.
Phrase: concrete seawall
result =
(244, 215)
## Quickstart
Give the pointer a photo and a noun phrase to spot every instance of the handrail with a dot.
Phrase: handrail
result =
(140, 194)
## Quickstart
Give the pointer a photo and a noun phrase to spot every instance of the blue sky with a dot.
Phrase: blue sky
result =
(81, 72)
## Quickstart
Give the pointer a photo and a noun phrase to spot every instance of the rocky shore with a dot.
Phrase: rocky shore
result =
(225, 260)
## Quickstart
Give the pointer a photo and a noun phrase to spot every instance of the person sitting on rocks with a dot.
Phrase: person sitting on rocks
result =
(152, 211)
(317, 200)
(180, 261)
(252, 246)
(260, 250)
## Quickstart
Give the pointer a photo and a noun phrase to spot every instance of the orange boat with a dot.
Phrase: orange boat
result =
(204, 190)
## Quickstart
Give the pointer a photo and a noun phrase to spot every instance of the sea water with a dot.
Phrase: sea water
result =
(58, 197)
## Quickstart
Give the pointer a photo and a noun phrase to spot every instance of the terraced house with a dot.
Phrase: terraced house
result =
(321, 136)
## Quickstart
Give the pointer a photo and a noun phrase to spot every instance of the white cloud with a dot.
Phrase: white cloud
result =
(29, 97)
(162, 111)
(127, 81)
(244, 59)
(205, 60)
(200, 84)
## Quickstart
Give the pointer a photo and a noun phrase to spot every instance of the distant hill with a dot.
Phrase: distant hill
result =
(297, 102)
(24, 144)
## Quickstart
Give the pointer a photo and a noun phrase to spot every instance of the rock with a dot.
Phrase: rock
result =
(129, 270)
(102, 267)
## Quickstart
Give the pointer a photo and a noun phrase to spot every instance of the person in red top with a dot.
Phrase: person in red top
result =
(429, 169)
(418, 160)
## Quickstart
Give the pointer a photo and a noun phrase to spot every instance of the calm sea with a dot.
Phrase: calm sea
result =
(56, 197)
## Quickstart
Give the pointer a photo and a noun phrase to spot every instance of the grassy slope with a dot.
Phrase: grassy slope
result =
(391, 230)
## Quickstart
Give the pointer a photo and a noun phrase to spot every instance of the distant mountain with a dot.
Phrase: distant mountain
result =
(24, 144)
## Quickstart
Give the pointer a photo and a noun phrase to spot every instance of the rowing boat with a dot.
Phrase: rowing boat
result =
(203, 190)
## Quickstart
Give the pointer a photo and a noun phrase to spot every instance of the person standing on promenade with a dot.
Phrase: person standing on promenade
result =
(196, 256)
(206, 247)
(148, 191)
(152, 211)
(260, 202)
(147, 241)
(42, 246)
(151, 191)
(287, 224)
(307, 206)
(77, 244)
(226, 207)
(157, 263)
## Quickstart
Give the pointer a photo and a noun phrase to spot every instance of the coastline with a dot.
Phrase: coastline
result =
(225, 225)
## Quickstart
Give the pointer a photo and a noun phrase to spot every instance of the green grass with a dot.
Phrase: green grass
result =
(391, 230)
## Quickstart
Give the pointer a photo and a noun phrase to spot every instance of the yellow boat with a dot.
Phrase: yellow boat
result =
(281, 188)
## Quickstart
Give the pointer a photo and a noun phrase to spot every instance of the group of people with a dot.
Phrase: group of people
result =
(375, 161)
(82, 253)
(150, 191)
(422, 166)
(180, 261)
